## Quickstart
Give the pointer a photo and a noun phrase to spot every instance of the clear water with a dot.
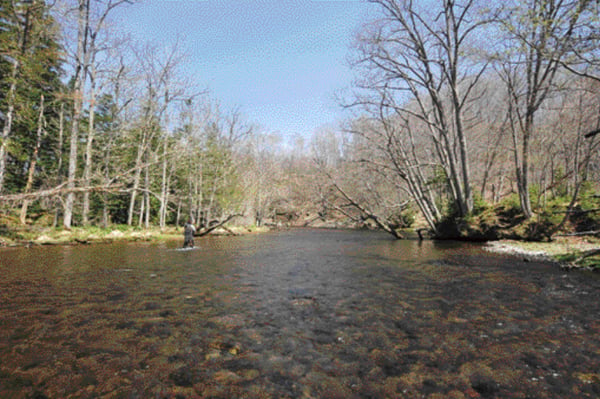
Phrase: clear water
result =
(298, 313)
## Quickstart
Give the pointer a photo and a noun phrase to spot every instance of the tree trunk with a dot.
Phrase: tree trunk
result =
(33, 163)
(407, 166)
(164, 184)
(141, 217)
(211, 201)
(59, 156)
(136, 182)
(88, 147)
(147, 197)
(105, 212)
(82, 34)
(220, 223)
(178, 213)
(61, 133)
(523, 175)
(465, 197)
(200, 181)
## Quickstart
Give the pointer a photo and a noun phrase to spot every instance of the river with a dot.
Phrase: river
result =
(301, 313)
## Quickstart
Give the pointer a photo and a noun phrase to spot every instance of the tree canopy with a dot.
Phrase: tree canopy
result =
(465, 114)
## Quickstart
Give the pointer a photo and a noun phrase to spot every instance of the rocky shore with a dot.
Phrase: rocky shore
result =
(564, 251)
(514, 248)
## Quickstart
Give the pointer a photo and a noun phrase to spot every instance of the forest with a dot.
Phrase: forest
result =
(470, 120)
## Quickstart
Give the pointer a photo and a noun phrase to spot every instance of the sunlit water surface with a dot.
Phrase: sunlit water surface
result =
(298, 313)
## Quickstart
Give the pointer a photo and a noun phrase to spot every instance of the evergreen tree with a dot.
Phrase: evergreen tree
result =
(30, 68)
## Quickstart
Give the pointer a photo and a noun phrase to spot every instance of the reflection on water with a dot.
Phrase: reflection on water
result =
(298, 313)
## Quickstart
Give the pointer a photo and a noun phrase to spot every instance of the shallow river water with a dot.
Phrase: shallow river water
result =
(294, 314)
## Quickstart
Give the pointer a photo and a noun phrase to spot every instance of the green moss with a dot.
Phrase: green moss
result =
(506, 221)
(592, 262)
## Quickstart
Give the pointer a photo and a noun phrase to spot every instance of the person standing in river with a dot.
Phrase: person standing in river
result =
(188, 234)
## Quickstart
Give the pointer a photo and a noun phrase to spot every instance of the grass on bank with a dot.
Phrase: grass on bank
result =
(548, 234)
(24, 235)
(566, 250)
(37, 232)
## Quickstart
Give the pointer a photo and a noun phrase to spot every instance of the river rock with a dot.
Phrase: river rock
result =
(229, 321)
(226, 377)
(212, 355)
(182, 377)
(249, 375)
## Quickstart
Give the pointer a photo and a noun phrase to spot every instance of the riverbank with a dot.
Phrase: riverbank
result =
(566, 251)
(88, 235)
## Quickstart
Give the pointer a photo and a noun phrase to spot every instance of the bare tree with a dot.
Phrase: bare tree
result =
(577, 114)
(261, 174)
(146, 130)
(364, 192)
(110, 164)
(85, 38)
(97, 43)
(421, 66)
(539, 37)
(83, 19)
(157, 70)
(392, 148)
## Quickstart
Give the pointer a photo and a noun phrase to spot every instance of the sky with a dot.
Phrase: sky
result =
(281, 62)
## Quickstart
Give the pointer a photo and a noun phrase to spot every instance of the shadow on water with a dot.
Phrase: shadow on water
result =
(292, 314)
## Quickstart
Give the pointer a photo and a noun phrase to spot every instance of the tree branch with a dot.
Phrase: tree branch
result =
(592, 133)
(216, 226)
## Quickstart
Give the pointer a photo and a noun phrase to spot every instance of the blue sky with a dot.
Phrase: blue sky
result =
(280, 61)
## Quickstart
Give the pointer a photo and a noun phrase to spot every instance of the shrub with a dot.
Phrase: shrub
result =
(480, 205)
